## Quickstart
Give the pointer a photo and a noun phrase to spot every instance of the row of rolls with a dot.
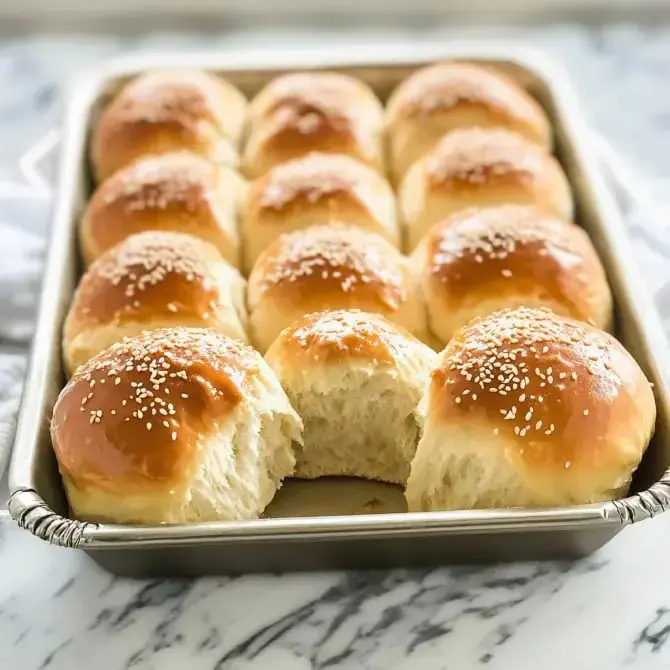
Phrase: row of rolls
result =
(312, 284)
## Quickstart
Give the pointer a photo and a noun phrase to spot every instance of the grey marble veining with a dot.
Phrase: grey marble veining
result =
(58, 610)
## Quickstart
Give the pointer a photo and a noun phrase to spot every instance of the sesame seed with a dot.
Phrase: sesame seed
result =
(148, 425)
(174, 436)
(586, 412)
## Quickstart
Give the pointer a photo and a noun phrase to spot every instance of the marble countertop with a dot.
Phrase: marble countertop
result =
(59, 611)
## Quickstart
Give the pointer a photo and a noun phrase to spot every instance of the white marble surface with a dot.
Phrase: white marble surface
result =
(58, 610)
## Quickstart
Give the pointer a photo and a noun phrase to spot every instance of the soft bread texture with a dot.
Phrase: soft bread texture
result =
(480, 168)
(173, 426)
(153, 280)
(316, 188)
(326, 268)
(165, 111)
(355, 379)
(313, 111)
(447, 96)
(481, 260)
(177, 192)
(529, 409)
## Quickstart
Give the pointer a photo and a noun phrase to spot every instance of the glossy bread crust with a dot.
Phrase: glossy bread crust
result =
(443, 97)
(165, 111)
(313, 111)
(177, 191)
(316, 189)
(330, 267)
(131, 420)
(480, 168)
(480, 260)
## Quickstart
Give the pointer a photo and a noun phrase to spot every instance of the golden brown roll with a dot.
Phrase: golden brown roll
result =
(330, 267)
(480, 260)
(173, 426)
(335, 367)
(313, 111)
(153, 280)
(316, 188)
(165, 111)
(530, 409)
(480, 168)
(447, 96)
(177, 192)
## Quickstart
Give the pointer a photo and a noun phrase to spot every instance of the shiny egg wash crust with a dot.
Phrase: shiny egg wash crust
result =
(180, 99)
(345, 259)
(303, 182)
(476, 156)
(148, 275)
(433, 90)
(156, 182)
(342, 334)
(178, 185)
(308, 105)
(537, 377)
(143, 405)
(476, 249)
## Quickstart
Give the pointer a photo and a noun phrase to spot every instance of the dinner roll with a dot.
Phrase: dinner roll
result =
(176, 425)
(165, 111)
(443, 97)
(355, 379)
(480, 260)
(153, 280)
(313, 111)
(530, 409)
(480, 168)
(316, 188)
(330, 267)
(178, 192)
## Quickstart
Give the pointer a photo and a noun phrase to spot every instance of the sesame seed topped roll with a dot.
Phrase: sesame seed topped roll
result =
(313, 111)
(530, 409)
(330, 267)
(476, 167)
(335, 366)
(177, 192)
(173, 426)
(480, 260)
(153, 280)
(443, 97)
(316, 188)
(165, 111)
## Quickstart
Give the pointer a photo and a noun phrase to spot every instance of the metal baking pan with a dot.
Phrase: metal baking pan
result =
(343, 523)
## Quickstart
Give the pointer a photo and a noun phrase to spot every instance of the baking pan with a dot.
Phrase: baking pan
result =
(343, 523)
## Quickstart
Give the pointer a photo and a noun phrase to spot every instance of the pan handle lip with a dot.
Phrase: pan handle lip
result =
(30, 512)
(644, 505)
